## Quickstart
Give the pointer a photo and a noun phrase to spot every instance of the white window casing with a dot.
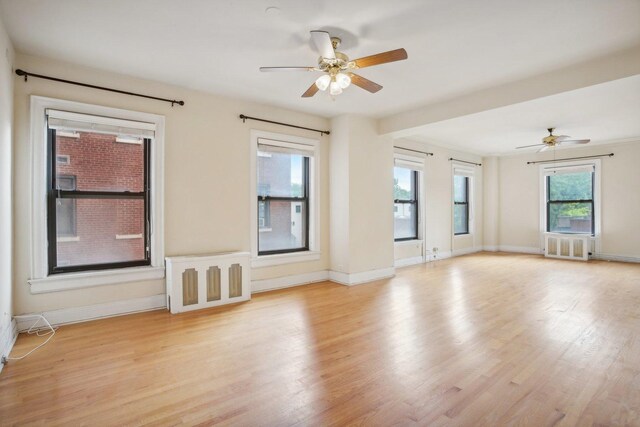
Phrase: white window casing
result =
(64, 114)
(263, 143)
(416, 162)
(459, 169)
(588, 165)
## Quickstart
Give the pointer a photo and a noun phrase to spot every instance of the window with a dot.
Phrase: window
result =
(123, 189)
(284, 199)
(405, 210)
(66, 208)
(102, 195)
(460, 204)
(570, 200)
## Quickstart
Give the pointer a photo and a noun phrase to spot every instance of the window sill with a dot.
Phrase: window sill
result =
(407, 242)
(269, 260)
(455, 236)
(87, 279)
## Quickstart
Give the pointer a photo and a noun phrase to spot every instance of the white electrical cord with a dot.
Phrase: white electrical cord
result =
(50, 330)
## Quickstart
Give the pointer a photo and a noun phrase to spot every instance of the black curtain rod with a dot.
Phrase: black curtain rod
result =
(245, 118)
(416, 151)
(571, 158)
(464, 161)
(27, 74)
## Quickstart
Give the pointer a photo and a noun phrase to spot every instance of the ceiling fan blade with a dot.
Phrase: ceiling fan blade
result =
(269, 69)
(322, 42)
(529, 146)
(574, 141)
(313, 89)
(365, 84)
(562, 137)
(381, 58)
(545, 148)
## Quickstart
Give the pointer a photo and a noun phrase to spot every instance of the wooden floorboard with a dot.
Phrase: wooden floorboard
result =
(480, 340)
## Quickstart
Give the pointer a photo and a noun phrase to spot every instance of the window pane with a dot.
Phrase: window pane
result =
(287, 226)
(460, 220)
(570, 217)
(99, 163)
(571, 186)
(460, 188)
(281, 175)
(264, 220)
(106, 230)
(404, 217)
(403, 188)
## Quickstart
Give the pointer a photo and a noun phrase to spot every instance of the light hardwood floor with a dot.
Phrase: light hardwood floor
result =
(485, 339)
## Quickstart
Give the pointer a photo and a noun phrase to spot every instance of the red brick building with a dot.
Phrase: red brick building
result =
(94, 231)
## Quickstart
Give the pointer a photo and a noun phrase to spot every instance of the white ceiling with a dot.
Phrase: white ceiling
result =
(455, 47)
(604, 113)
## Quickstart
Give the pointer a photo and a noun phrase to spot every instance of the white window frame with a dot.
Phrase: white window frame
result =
(463, 170)
(416, 163)
(40, 281)
(576, 165)
(314, 200)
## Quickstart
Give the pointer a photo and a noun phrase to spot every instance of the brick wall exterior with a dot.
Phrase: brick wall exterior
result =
(98, 162)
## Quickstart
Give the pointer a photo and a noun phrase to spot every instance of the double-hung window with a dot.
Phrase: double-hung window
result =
(98, 193)
(460, 204)
(569, 199)
(283, 197)
(405, 204)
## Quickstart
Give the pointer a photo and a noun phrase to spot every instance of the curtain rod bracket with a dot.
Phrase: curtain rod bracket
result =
(245, 118)
(26, 74)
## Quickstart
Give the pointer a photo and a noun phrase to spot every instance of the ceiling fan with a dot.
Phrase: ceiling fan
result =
(337, 68)
(555, 140)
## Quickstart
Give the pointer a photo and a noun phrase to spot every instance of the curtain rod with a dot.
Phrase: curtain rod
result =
(245, 118)
(571, 158)
(27, 74)
(464, 161)
(415, 151)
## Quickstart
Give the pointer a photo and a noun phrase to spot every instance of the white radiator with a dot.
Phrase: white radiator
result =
(567, 246)
(196, 282)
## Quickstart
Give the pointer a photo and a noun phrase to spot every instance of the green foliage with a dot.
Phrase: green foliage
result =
(400, 193)
(570, 186)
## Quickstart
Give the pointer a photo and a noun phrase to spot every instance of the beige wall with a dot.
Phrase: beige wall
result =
(6, 166)
(519, 207)
(361, 196)
(438, 202)
(206, 174)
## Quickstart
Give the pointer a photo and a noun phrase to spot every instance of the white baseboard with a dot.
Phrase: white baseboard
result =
(619, 258)
(490, 248)
(362, 277)
(7, 338)
(520, 249)
(439, 255)
(465, 251)
(288, 281)
(403, 262)
(99, 311)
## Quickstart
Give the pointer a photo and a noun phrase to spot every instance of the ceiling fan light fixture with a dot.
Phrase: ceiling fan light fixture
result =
(323, 82)
(343, 80)
(334, 88)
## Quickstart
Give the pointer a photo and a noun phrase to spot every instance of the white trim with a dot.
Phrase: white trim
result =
(129, 140)
(362, 277)
(466, 251)
(490, 248)
(7, 339)
(87, 279)
(521, 249)
(314, 199)
(439, 255)
(288, 281)
(279, 259)
(38, 254)
(68, 134)
(404, 262)
(128, 236)
(99, 311)
(618, 258)
(459, 169)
